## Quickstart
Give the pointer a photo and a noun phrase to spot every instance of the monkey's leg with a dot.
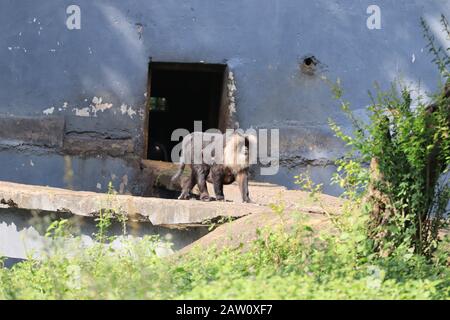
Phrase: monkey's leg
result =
(187, 186)
(202, 173)
(218, 185)
(242, 180)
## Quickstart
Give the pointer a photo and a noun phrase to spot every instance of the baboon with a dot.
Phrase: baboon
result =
(232, 165)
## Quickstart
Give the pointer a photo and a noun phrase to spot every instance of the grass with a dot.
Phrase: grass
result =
(278, 265)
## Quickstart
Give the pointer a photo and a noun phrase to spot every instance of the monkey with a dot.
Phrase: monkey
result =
(232, 165)
(220, 175)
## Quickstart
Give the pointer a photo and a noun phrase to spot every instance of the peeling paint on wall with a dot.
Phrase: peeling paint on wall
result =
(231, 92)
(95, 106)
(98, 105)
(48, 111)
(231, 86)
(142, 112)
(227, 117)
(64, 106)
(84, 112)
(127, 110)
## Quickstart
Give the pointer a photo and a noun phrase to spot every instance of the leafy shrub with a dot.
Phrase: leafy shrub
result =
(407, 145)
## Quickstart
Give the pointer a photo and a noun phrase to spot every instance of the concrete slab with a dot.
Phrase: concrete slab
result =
(163, 212)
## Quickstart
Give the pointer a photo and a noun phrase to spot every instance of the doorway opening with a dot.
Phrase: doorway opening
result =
(178, 95)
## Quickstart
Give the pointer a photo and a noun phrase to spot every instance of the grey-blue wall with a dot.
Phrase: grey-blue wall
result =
(45, 65)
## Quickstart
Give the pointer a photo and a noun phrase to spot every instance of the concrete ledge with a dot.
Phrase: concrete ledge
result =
(160, 174)
(163, 212)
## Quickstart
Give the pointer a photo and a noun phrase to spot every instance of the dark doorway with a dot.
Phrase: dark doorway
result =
(181, 93)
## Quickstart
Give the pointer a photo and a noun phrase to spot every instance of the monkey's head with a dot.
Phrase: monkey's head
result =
(237, 150)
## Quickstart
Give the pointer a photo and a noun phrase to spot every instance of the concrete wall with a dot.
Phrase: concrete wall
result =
(95, 78)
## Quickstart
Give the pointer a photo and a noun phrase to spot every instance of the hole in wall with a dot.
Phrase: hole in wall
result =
(310, 65)
(308, 61)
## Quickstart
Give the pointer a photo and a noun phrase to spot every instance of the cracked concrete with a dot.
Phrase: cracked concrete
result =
(154, 210)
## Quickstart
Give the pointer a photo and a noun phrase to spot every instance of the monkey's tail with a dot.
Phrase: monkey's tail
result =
(179, 172)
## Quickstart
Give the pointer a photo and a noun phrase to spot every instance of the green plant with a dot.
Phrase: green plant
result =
(106, 215)
(58, 229)
(279, 264)
(314, 190)
(395, 164)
